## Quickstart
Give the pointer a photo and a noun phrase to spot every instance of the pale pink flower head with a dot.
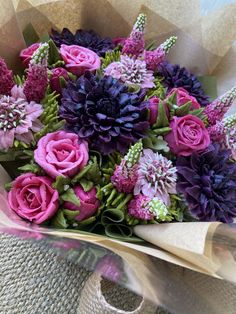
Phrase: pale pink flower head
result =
(18, 118)
(156, 176)
(131, 71)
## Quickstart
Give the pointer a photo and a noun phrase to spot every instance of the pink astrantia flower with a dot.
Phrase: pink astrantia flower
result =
(156, 176)
(88, 203)
(131, 71)
(18, 118)
(33, 198)
(124, 178)
(138, 208)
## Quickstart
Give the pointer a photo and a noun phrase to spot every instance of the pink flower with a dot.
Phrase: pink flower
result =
(124, 178)
(88, 203)
(79, 59)
(138, 208)
(18, 118)
(131, 71)
(61, 154)
(27, 53)
(183, 97)
(153, 109)
(6, 79)
(153, 58)
(188, 135)
(156, 176)
(55, 79)
(33, 198)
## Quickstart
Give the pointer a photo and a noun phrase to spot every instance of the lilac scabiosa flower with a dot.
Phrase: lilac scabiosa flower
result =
(216, 110)
(175, 76)
(153, 58)
(18, 118)
(37, 77)
(144, 208)
(134, 44)
(131, 71)
(208, 181)
(156, 176)
(125, 174)
(87, 39)
(6, 79)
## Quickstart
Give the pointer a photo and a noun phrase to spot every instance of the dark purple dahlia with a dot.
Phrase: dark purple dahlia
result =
(88, 39)
(208, 182)
(175, 76)
(102, 111)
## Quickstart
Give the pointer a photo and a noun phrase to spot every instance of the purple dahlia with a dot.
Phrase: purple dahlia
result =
(88, 39)
(208, 182)
(175, 76)
(102, 111)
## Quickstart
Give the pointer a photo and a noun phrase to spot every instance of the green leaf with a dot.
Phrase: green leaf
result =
(112, 215)
(162, 120)
(172, 99)
(59, 221)
(44, 38)
(69, 196)
(81, 174)
(70, 214)
(162, 131)
(183, 110)
(87, 221)
(8, 186)
(30, 35)
(86, 184)
(30, 168)
(61, 183)
(54, 55)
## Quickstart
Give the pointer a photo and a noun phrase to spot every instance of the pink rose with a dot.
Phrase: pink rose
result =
(153, 109)
(188, 134)
(55, 79)
(183, 97)
(27, 53)
(79, 59)
(61, 154)
(88, 203)
(33, 198)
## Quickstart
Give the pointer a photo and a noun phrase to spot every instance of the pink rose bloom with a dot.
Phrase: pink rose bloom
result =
(33, 198)
(79, 59)
(55, 79)
(188, 135)
(183, 97)
(61, 154)
(153, 109)
(88, 203)
(27, 53)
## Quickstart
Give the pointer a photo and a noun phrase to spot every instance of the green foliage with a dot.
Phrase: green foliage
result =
(110, 56)
(159, 90)
(49, 117)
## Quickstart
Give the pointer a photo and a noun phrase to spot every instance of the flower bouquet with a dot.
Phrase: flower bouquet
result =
(104, 136)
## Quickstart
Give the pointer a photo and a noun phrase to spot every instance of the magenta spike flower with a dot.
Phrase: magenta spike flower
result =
(216, 110)
(18, 118)
(230, 134)
(37, 76)
(216, 132)
(134, 44)
(125, 174)
(156, 176)
(131, 71)
(6, 79)
(138, 208)
(153, 58)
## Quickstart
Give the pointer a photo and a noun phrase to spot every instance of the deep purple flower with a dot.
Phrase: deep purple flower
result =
(102, 111)
(175, 76)
(208, 181)
(88, 39)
